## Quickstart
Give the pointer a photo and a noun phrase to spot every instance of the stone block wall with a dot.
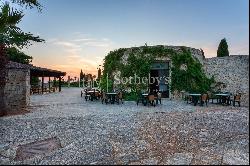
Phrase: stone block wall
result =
(233, 71)
(17, 89)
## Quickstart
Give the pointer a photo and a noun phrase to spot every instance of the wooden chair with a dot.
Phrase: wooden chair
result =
(104, 98)
(87, 96)
(204, 99)
(119, 97)
(159, 97)
(189, 99)
(236, 99)
(97, 95)
(34, 90)
(151, 100)
(139, 98)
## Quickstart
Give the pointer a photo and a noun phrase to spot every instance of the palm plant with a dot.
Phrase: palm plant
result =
(10, 34)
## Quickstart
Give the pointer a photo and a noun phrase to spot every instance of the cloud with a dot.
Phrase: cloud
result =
(67, 44)
(81, 51)
(92, 42)
(83, 40)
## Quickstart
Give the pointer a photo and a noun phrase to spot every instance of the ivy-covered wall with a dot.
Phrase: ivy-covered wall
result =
(186, 69)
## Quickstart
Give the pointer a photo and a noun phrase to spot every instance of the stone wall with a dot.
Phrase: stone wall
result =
(233, 71)
(17, 89)
(196, 53)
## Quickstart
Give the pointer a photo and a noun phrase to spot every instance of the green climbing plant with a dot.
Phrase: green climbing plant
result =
(138, 60)
(190, 78)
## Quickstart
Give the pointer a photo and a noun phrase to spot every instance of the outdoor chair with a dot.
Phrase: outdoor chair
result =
(204, 99)
(87, 96)
(151, 100)
(97, 95)
(236, 99)
(119, 97)
(158, 97)
(189, 99)
(34, 90)
(139, 98)
(104, 98)
(227, 99)
(81, 93)
(52, 89)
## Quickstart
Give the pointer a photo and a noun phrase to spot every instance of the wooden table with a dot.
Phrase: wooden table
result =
(111, 97)
(224, 98)
(92, 94)
(195, 97)
(145, 99)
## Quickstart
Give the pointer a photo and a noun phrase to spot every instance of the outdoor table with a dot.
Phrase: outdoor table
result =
(223, 98)
(92, 94)
(111, 97)
(145, 99)
(195, 97)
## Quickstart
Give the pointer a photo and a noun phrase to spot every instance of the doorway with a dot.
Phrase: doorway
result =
(162, 71)
(154, 82)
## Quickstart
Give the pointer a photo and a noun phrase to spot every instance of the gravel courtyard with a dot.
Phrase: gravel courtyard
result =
(94, 133)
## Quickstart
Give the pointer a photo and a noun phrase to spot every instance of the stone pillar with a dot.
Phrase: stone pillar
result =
(17, 90)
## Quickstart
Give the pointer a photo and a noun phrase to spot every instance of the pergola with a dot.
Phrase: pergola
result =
(44, 72)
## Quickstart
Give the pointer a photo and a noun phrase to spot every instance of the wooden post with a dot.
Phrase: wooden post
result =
(60, 84)
(49, 84)
(54, 84)
(42, 84)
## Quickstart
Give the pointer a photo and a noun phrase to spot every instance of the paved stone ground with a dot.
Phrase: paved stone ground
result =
(95, 133)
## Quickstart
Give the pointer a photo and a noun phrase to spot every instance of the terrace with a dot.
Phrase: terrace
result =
(88, 132)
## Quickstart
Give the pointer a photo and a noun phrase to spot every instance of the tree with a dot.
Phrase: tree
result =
(15, 55)
(81, 75)
(10, 34)
(13, 38)
(223, 48)
(99, 74)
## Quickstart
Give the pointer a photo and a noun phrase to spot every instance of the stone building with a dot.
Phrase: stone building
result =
(17, 88)
(232, 71)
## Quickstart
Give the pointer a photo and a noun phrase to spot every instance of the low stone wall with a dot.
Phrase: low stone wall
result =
(17, 89)
(233, 71)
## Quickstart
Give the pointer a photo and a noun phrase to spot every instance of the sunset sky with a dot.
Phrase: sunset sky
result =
(80, 33)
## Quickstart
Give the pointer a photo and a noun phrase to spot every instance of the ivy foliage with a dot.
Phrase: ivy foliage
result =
(192, 78)
(139, 60)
